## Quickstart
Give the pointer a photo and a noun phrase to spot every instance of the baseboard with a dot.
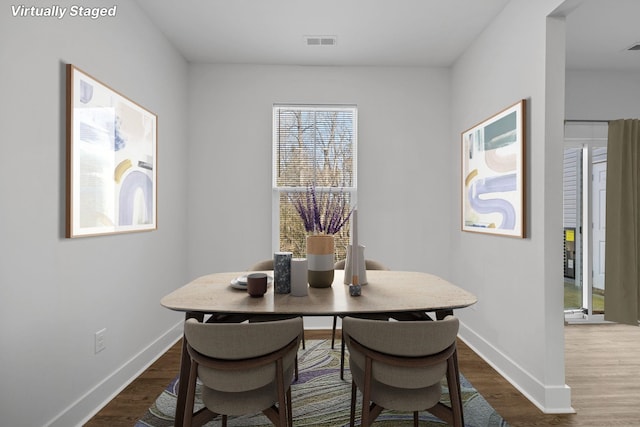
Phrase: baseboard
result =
(83, 409)
(549, 399)
(319, 322)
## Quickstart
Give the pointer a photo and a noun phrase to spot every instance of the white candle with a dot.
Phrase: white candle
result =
(299, 277)
(354, 247)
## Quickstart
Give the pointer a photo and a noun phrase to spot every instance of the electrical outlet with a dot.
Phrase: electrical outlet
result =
(99, 342)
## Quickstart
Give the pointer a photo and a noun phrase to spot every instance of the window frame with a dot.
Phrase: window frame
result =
(278, 190)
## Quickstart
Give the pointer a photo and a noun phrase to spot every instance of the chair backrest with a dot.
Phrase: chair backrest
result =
(369, 264)
(236, 342)
(266, 264)
(405, 343)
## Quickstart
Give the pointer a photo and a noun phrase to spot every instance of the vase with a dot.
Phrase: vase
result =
(282, 272)
(299, 277)
(320, 259)
(348, 266)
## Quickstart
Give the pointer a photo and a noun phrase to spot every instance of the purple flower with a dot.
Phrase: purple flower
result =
(323, 213)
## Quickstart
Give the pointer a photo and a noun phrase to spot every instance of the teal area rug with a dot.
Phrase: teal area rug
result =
(322, 399)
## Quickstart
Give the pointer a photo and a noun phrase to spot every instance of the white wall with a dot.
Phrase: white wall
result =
(55, 293)
(403, 152)
(602, 95)
(518, 322)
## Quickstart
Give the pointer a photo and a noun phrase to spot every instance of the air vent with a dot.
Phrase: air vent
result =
(320, 40)
(636, 46)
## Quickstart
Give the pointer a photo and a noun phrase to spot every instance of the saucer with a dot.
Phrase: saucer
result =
(240, 282)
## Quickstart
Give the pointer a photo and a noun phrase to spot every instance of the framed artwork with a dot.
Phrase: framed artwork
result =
(493, 174)
(111, 160)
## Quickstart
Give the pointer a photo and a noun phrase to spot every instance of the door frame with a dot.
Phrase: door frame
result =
(586, 142)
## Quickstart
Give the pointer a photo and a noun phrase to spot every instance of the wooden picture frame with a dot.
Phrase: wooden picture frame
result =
(493, 174)
(111, 160)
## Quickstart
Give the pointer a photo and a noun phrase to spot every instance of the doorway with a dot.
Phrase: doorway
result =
(584, 217)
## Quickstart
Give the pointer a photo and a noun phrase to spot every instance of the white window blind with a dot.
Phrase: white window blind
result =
(312, 146)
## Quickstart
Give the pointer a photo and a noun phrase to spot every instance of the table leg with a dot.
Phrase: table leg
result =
(441, 314)
(185, 366)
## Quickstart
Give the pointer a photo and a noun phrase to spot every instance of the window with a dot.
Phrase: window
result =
(312, 146)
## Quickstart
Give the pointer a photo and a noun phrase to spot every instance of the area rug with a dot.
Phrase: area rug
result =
(322, 399)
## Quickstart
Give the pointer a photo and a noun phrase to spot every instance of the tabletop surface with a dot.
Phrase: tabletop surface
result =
(386, 291)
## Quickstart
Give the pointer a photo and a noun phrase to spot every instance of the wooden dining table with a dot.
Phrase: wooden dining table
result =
(385, 292)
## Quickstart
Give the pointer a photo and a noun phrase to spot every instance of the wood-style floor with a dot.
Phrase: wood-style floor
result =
(602, 369)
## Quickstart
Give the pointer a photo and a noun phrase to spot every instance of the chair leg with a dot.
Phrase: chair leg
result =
(289, 408)
(416, 420)
(342, 359)
(366, 395)
(352, 413)
(333, 330)
(455, 392)
(191, 394)
(282, 395)
(224, 421)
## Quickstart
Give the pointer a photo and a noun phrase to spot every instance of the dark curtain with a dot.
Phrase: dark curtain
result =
(622, 255)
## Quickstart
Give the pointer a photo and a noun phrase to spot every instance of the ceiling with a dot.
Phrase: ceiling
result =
(599, 32)
(368, 32)
(429, 33)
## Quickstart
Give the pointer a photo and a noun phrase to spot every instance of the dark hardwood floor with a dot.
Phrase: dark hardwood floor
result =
(603, 371)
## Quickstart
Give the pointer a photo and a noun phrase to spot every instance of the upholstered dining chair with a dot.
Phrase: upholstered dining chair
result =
(267, 264)
(400, 366)
(244, 368)
(369, 264)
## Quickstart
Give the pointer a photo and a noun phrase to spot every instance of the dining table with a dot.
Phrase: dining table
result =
(386, 291)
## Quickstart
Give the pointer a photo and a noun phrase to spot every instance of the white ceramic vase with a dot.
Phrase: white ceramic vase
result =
(362, 268)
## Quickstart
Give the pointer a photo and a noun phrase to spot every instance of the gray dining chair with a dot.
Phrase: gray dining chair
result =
(244, 368)
(267, 264)
(369, 265)
(400, 366)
